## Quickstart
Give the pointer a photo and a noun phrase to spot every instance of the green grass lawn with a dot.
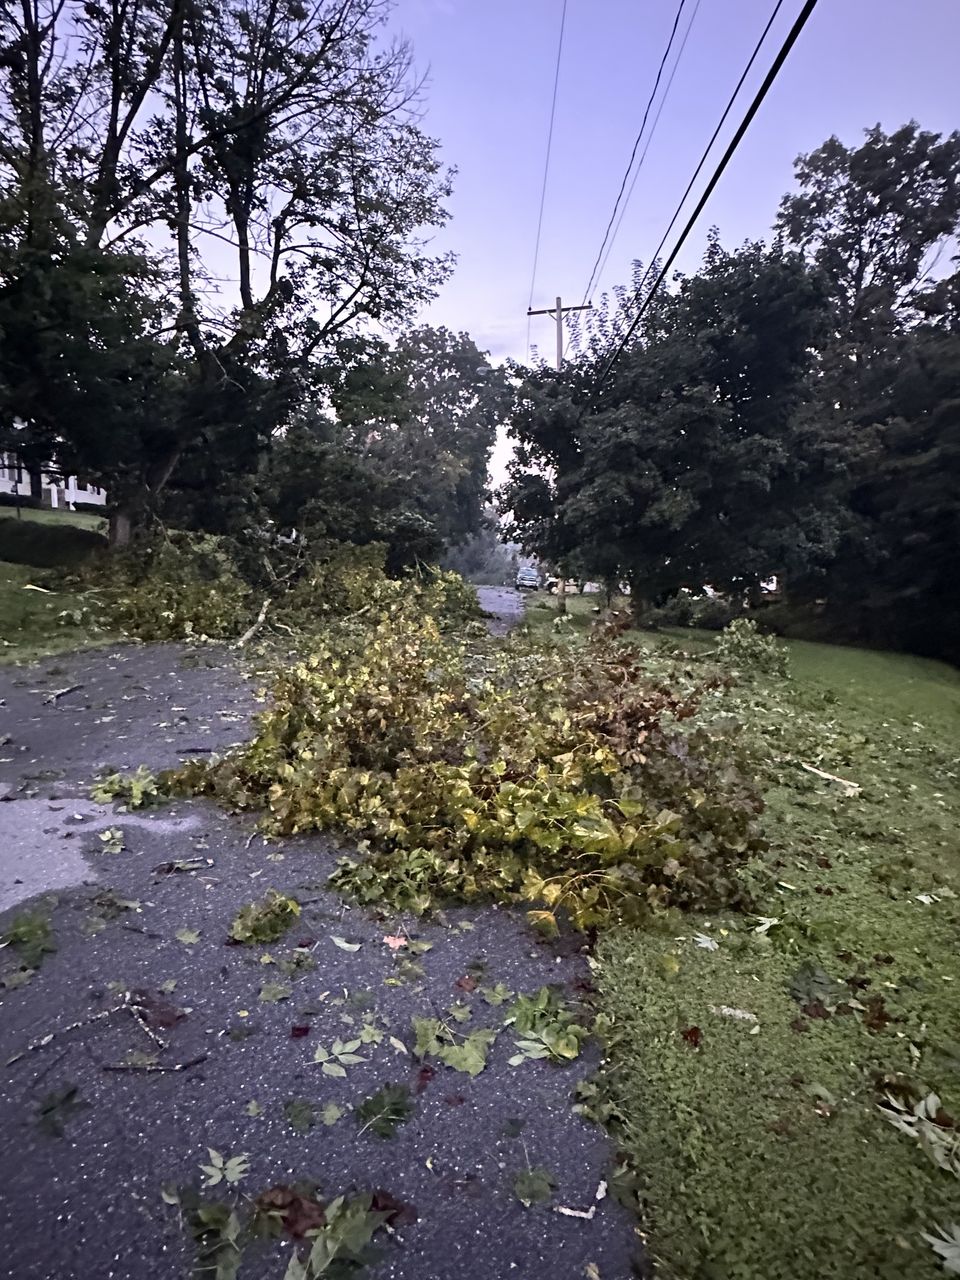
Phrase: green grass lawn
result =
(45, 515)
(34, 624)
(33, 551)
(752, 1112)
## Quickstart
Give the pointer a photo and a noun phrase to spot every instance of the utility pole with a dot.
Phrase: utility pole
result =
(558, 313)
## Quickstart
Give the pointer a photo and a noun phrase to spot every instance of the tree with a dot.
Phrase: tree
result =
(283, 133)
(315, 483)
(693, 465)
(425, 413)
(893, 580)
(873, 220)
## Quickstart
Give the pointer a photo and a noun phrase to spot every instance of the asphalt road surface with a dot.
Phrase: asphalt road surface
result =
(85, 1148)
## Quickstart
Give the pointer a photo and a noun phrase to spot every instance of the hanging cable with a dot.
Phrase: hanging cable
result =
(791, 39)
(709, 147)
(636, 147)
(546, 167)
(646, 148)
(574, 330)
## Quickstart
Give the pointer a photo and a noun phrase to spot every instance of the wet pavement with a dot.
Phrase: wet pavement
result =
(245, 1022)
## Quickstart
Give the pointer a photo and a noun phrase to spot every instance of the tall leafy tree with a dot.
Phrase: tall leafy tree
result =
(693, 465)
(282, 136)
(874, 221)
(425, 412)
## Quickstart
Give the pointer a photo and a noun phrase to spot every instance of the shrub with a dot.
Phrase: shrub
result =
(711, 613)
(743, 646)
(553, 774)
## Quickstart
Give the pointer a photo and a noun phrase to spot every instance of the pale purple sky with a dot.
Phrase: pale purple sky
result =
(491, 65)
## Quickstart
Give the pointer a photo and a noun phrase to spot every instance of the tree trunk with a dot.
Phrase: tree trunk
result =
(121, 527)
(640, 607)
(36, 486)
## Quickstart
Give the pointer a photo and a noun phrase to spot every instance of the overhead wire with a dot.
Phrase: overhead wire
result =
(636, 147)
(650, 135)
(546, 166)
(782, 55)
(636, 173)
(709, 147)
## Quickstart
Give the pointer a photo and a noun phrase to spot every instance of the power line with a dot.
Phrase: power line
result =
(709, 147)
(779, 60)
(643, 154)
(546, 166)
(653, 129)
(636, 146)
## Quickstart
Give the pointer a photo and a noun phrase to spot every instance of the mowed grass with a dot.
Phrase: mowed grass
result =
(749, 1104)
(33, 552)
(46, 515)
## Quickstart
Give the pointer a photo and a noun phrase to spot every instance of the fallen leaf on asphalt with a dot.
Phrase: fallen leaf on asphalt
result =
(533, 1186)
(424, 1076)
(343, 944)
(299, 1030)
(301, 1114)
(466, 983)
(399, 1214)
(393, 942)
(187, 936)
(331, 1113)
(271, 992)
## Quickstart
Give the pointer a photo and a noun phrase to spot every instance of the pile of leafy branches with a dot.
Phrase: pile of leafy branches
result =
(198, 586)
(559, 775)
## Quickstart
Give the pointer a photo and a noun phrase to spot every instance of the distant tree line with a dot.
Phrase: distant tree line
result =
(790, 410)
(150, 149)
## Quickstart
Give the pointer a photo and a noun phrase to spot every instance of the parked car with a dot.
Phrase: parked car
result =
(528, 579)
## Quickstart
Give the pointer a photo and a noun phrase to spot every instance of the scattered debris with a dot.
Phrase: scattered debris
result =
(584, 1213)
(849, 788)
(59, 693)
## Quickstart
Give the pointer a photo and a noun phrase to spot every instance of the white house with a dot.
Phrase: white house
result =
(55, 492)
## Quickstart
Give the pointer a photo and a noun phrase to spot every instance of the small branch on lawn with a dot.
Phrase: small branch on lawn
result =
(850, 788)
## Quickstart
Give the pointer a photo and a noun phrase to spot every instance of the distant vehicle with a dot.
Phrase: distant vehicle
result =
(528, 579)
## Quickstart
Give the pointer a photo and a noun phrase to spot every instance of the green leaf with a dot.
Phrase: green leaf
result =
(187, 936)
(271, 992)
(533, 1186)
(496, 995)
(17, 978)
(253, 1108)
(470, 1056)
(331, 1113)
(427, 1032)
(343, 944)
(383, 1112)
(301, 1114)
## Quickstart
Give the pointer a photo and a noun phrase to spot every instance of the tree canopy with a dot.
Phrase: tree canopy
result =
(788, 410)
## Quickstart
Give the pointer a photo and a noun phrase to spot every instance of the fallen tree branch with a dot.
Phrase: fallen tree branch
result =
(850, 788)
(155, 1066)
(62, 693)
(252, 630)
